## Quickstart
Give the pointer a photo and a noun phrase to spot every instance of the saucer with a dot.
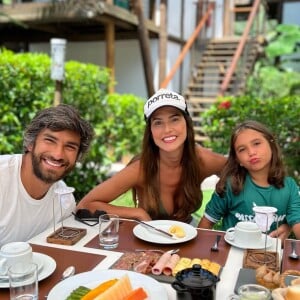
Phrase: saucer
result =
(46, 266)
(258, 245)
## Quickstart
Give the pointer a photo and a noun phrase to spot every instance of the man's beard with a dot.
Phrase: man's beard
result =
(48, 177)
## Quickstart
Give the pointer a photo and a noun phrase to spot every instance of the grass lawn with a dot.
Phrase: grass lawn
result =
(126, 200)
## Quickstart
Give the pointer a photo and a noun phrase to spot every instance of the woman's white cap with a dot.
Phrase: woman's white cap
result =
(164, 98)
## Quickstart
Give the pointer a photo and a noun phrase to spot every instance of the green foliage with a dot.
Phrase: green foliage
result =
(26, 88)
(276, 75)
(125, 120)
(280, 115)
(271, 82)
(284, 41)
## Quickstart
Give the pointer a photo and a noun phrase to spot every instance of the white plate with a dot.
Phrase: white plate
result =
(150, 235)
(63, 289)
(259, 245)
(46, 266)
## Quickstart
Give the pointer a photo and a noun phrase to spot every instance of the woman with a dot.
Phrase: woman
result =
(167, 175)
(254, 175)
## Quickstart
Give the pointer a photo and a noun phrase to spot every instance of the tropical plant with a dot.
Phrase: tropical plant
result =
(277, 73)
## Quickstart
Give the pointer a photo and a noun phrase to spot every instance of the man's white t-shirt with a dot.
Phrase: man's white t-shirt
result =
(22, 217)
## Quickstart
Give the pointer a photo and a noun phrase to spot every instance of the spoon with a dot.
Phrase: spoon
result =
(215, 246)
(68, 272)
(293, 254)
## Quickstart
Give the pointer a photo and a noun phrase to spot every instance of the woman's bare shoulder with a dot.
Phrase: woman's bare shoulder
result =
(211, 162)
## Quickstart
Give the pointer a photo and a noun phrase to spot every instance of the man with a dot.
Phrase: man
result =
(56, 138)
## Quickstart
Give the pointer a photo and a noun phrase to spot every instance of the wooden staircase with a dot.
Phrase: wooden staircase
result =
(209, 74)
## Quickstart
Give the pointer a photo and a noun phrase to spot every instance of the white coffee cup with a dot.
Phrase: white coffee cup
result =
(13, 253)
(245, 233)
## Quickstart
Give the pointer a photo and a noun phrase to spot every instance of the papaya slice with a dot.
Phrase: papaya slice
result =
(136, 294)
(99, 289)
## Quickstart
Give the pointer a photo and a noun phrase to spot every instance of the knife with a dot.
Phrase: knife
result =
(150, 226)
(156, 229)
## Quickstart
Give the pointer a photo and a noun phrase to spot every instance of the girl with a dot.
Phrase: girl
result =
(254, 175)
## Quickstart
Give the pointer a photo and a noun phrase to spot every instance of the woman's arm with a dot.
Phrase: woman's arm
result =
(101, 195)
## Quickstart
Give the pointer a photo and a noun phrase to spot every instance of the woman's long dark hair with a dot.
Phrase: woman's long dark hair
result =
(190, 180)
(237, 173)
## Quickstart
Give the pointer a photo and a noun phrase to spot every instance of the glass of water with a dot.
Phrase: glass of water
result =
(109, 231)
(23, 281)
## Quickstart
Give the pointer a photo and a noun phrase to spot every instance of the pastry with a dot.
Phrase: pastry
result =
(267, 277)
(293, 292)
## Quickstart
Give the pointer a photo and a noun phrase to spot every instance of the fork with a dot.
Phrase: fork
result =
(215, 246)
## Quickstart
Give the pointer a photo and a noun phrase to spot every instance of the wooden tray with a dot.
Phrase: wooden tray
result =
(256, 258)
(66, 235)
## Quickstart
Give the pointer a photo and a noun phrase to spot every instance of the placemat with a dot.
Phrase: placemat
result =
(196, 248)
(288, 263)
(83, 262)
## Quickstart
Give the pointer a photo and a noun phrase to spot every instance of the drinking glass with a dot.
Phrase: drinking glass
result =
(109, 231)
(23, 281)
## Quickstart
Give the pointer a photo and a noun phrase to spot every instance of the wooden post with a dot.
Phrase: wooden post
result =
(110, 52)
(58, 93)
(162, 41)
(144, 44)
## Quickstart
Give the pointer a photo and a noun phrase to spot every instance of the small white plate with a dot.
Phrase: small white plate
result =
(150, 235)
(152, 287)
(46, 266)
(259, 245)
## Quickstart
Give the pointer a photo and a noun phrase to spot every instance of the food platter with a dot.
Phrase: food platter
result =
(63, 289)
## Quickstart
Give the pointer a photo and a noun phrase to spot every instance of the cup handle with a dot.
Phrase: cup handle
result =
(230, 233)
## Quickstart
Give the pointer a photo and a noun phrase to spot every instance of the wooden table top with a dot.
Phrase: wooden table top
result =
(196, 248)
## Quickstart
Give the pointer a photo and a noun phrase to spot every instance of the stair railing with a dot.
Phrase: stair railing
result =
(240, 48)
(188, 45)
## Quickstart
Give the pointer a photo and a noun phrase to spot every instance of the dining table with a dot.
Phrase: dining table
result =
(87, 255)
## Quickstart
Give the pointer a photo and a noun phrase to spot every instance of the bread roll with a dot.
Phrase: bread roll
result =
(293, 292)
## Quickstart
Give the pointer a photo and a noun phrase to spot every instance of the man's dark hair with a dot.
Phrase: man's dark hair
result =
(59, 118)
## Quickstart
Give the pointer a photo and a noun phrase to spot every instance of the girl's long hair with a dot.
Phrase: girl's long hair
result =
(237, 173)
(188, 197)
